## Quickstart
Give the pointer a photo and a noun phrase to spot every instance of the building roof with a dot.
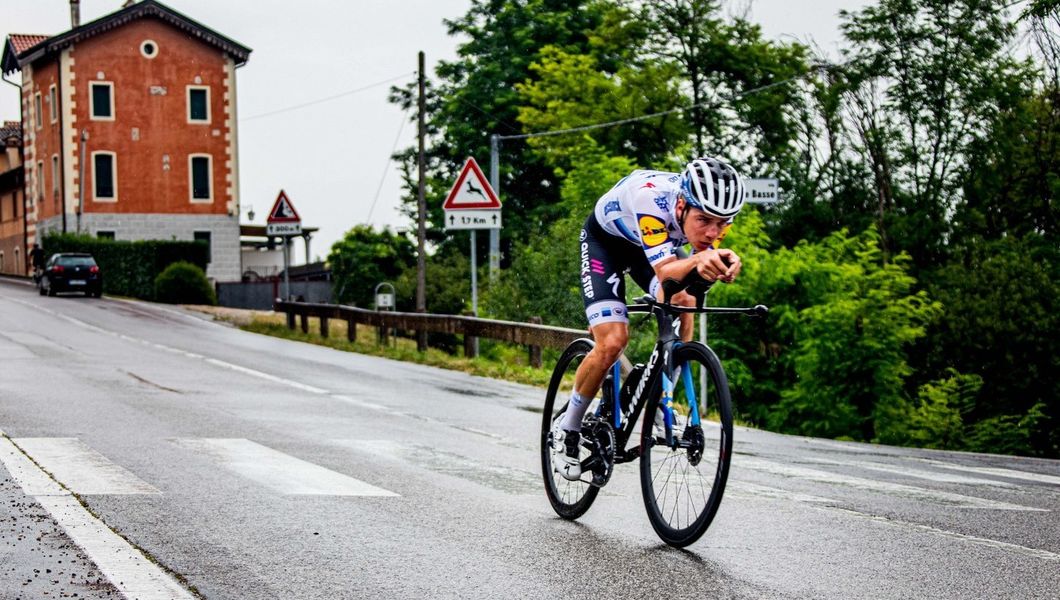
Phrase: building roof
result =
(10, 129)
(20, 42)
(22, 49)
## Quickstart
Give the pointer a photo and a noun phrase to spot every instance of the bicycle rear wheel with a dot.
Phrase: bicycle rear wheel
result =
(570, 499)
(683, 485)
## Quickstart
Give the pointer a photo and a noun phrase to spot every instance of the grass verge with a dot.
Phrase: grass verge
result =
(495, 360)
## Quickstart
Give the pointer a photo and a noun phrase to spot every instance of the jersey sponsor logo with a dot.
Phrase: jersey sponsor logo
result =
(657, 256)
(582, 236)
(652, 231)
(660, 201)
(648, 185)
(614, 280)
(612, 206)
(587, 279)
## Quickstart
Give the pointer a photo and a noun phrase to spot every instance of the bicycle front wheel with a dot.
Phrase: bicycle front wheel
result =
(570, 499)
(682, 482)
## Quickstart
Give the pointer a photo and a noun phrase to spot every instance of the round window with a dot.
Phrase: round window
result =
(149, 49)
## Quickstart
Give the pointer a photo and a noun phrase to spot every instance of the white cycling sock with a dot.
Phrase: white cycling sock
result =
(572, 419)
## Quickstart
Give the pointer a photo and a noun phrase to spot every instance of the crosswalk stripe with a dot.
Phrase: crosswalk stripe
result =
(81, 469)
(997, 471)
(893, 489)
(917, 473)
(278, 471)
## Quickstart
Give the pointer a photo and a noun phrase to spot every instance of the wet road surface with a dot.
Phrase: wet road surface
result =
(253, 467)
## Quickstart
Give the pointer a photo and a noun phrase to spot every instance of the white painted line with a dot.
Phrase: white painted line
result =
(212, 361)
(122, 564)
(278, 471)
(997, 471)
(917, 473)
(11, 349)
(27, 475)
(893, 489)
(81, 469)
(359, 402)
(1024, 550)
(748, 489)
(266, 376)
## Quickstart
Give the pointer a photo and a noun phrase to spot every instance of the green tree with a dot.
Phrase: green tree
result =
(925, 78)
(364, 258)
(839, 331)
(476, 96)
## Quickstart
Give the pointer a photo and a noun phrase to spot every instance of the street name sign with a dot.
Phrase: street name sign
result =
(761, 191)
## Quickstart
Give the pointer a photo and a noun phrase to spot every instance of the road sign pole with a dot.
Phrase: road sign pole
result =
(286, 271)
(474, 276)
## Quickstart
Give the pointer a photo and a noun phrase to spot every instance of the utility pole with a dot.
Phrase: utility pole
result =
(81, 179)
(495, 182)
(421, 203)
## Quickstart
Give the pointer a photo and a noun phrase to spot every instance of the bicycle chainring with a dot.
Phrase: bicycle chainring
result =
(600, 436)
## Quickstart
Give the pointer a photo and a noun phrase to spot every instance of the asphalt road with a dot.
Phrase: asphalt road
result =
(253, 467)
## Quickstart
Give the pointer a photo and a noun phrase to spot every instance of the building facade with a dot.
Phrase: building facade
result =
(12, 202)
(130, 132)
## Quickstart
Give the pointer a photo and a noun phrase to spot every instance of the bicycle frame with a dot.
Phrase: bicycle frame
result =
(658, 375)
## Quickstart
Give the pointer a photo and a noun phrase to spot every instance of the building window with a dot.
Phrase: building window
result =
(149, 48)
(198, 104)
(204, 236)
(200, 174)
(104, 176)
(101, 94)
(105, 235)
(39, 110)
(53, 104)
(56, 175)
(40, 179)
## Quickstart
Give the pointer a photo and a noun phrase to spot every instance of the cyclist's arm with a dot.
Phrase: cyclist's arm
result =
(713, 265)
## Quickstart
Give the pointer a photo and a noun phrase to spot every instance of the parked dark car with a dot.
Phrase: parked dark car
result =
(71, 272)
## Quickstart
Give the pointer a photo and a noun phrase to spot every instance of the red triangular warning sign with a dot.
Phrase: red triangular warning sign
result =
(283, 211)
(471, 190)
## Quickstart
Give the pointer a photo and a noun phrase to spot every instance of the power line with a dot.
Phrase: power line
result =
(652, 115)
(328, 98)
(386, 167)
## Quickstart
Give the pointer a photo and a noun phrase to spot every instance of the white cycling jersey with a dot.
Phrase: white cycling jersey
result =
(640, 210)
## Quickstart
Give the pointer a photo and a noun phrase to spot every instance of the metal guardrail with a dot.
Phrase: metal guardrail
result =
(533, 335)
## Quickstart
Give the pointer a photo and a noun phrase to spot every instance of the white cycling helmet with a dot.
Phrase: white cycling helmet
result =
(712, 186)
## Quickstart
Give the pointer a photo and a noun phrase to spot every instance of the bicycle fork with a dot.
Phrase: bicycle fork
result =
(667, 400)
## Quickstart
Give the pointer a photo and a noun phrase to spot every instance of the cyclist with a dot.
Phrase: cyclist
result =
(36, 256)
(638, 226)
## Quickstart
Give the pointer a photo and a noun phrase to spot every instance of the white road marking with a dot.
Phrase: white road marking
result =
(997, 471)
(748, 489)
(126, 567)
(266, 376)
(917, 473)
(278, 471)
(359, 402)
(81, 469)
(1024, 550)
(122, 564)
(892, 489)
(27, 475)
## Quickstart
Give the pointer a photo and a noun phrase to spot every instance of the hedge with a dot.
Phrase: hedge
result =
(130, 268)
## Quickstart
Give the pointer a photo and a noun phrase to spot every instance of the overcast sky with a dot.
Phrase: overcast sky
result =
(331, 157)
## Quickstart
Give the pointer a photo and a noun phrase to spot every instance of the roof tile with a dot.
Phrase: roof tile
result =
(21, 42)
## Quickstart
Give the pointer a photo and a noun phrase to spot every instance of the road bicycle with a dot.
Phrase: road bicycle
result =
(684, 441)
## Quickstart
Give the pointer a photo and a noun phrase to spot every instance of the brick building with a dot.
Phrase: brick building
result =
(12, 206)
(129, 130)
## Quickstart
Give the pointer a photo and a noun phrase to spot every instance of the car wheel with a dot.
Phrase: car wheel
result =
(51, 292)
(40, 289)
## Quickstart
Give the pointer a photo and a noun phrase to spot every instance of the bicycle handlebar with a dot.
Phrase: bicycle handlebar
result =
(649, 304)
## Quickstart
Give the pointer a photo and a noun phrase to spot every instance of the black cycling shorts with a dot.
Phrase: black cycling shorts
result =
(605, 259)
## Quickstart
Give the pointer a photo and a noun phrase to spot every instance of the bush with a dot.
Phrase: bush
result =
(130, 268)
(184, 283)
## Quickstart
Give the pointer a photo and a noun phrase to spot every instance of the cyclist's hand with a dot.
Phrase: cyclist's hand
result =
(719, 265)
